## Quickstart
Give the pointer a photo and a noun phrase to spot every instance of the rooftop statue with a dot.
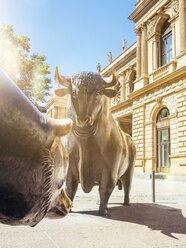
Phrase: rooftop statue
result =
(99, 68)
(124, 45)
(110, 57)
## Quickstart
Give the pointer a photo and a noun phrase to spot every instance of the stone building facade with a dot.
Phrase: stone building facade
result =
(151, 104)
(56, 107)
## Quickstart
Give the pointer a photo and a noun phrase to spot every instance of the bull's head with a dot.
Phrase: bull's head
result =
(33, 160)
(87, 90)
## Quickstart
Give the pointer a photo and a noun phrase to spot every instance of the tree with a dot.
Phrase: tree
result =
(29, 71)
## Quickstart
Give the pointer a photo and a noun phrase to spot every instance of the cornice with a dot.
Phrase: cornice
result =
(125, 57)
(50, 102)
(178, 155)
(142, 9)
(138, 3)
(121, 105)
(174, 75)
(127, 66)
(56, 101)
(147, 10)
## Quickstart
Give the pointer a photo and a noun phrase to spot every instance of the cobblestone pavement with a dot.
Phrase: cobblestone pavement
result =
(142, 225)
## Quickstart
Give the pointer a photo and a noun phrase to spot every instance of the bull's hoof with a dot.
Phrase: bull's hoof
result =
(101, 213)
(126, 204)
(104, 213)
(119, 185)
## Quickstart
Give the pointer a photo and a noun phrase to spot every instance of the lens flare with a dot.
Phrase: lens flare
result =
(9, 57)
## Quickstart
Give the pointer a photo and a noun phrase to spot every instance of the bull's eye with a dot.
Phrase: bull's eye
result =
(73, 94)
(97, 93)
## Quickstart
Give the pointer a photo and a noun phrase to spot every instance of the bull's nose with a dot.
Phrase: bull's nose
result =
(83, 121)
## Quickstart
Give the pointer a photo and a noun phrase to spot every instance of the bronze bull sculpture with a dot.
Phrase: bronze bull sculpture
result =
(33, 160)
(100, 153)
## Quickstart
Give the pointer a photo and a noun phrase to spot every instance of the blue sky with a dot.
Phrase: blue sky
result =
(74, 35)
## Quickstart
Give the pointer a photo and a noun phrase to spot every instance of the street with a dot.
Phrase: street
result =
(143, 224)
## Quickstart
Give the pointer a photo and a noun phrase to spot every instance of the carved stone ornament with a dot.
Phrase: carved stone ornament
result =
(173, 7)
(117, 98)
(159, 100)
(151, 26)
(138, 31)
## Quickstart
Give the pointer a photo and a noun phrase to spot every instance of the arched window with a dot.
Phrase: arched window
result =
(163, 114)
(131, 82)
(163, 140)
(166, 43)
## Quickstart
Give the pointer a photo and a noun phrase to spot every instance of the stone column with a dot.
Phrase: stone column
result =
(182, 22)
(144, 51)
(138, 53)
(173, 40)
(155, 52)
(54, 113)
(127, 90)
(122, 82)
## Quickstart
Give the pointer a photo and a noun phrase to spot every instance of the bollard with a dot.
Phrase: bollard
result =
(153, 186)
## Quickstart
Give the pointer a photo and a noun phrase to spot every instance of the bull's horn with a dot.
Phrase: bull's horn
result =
(65, 81)
(111, 81)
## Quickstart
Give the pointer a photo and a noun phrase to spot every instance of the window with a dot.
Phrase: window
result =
(131, 83)
(166, 43)
(163, 140)
(163, 114)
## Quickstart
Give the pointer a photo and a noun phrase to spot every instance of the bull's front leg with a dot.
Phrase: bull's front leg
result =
(71, 185)
(105, 189)
(72, 179)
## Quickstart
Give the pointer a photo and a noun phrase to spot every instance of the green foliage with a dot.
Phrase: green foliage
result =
(29, 71)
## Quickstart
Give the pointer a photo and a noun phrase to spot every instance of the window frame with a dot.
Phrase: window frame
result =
(165, 35)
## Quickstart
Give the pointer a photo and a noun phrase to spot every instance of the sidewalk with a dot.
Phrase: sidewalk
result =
(142, 225)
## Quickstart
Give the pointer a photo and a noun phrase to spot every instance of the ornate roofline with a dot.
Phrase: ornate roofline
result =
(142, 9)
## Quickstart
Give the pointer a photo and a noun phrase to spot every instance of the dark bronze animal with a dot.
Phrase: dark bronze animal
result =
(100, 152)
(33, 160)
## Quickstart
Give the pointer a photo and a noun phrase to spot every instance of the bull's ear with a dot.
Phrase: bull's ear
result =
(62, 92)
(61, 126)
(109, 92)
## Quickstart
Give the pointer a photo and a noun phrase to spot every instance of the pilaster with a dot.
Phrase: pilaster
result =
(182, 24)
(123, 90)
(138, 135)
(182, 121)
(156, 40)
(138, 53)
(144, 50)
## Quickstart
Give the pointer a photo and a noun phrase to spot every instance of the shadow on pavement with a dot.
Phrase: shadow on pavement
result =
(166, 219)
